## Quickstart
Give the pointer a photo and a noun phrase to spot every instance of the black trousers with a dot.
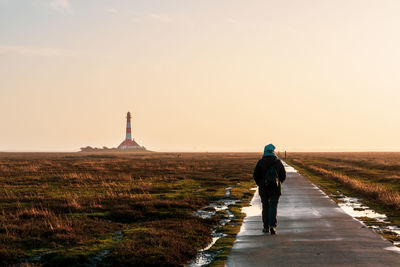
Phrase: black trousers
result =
(269, 209)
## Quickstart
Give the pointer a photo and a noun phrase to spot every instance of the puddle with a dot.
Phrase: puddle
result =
(204, 256)
(223, 204)
(393, 248)
(288, 168)
(228, 191)
(253, 209)
(354, 207)
(216, 236)
(95, 260)
(395, 229)
(359, 211)
(204, 214)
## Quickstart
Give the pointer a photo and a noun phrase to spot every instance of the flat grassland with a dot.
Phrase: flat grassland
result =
(117, 209)
(374, 176)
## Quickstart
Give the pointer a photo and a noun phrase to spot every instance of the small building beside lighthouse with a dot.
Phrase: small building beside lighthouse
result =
(129, 143)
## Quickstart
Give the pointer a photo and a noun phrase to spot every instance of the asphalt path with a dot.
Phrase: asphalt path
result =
(312, 231)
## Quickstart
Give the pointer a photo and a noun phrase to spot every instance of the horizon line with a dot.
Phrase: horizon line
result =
(207, 151)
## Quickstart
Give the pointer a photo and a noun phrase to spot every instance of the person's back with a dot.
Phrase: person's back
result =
(269, 191)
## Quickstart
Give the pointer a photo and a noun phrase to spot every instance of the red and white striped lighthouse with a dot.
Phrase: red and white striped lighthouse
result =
(128, 127)
(129, 143)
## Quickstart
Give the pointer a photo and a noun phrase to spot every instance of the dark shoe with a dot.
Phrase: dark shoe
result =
(265, 230)
(273, 230)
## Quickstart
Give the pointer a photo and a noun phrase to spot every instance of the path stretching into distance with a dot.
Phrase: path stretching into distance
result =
(312, 231)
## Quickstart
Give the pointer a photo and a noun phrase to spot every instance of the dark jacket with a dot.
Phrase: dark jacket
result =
(261, 169)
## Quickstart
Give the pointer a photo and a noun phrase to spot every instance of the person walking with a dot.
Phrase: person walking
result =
(269, 175)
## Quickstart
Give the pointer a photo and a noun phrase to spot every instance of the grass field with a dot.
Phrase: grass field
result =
(117, 209)
(375, 177)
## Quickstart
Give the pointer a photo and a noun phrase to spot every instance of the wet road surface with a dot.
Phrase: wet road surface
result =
(312, 231)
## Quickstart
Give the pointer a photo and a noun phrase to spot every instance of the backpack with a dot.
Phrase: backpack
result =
(271, 179)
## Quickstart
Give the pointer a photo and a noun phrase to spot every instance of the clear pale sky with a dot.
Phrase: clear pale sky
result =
(226, 75)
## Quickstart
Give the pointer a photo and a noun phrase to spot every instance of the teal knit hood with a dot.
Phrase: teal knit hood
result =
(269, 150)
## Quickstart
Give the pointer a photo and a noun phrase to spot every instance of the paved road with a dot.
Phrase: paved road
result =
(312, 231)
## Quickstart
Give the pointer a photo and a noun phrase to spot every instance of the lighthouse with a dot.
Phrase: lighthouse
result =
(129, 142)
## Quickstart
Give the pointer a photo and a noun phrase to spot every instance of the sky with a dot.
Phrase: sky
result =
(226, 75)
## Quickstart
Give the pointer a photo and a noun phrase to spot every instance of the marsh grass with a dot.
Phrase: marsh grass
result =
(65, 208)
